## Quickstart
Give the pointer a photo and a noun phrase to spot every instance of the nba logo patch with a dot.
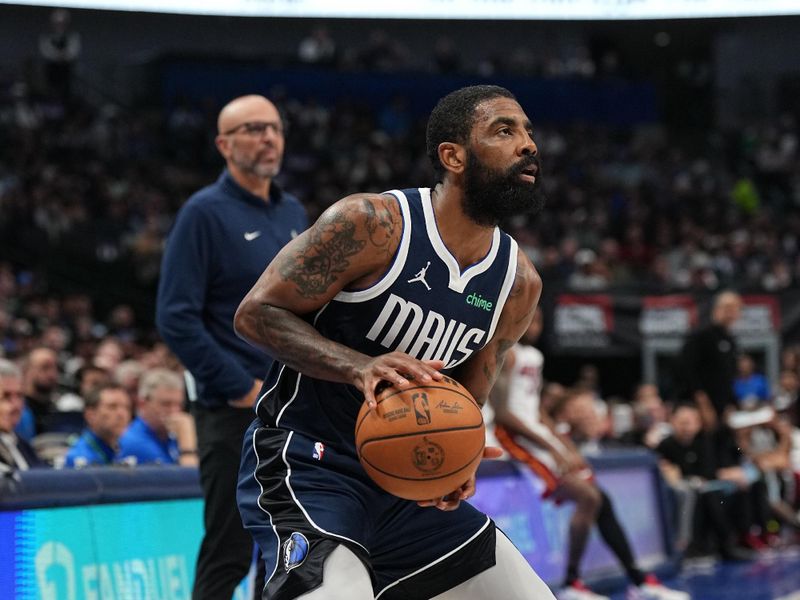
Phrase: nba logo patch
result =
(319, 450)
(295, 550)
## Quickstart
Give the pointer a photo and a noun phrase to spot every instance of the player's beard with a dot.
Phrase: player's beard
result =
(492, 196)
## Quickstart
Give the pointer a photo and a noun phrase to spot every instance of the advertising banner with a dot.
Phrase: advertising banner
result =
(540, 528)
(674, 315)
(135, 551)
(619, 323)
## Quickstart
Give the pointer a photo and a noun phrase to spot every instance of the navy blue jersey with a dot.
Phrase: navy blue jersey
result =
(424, 305)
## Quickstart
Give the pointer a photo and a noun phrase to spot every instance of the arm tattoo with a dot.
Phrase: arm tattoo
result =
(380, 225)
(326, 254)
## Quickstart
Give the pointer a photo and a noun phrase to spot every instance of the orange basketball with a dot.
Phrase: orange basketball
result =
(421, 442)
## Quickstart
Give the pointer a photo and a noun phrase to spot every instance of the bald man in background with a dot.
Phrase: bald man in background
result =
(222, 240)
(708, 361)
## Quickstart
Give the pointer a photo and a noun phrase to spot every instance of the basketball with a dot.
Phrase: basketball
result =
(422, 442)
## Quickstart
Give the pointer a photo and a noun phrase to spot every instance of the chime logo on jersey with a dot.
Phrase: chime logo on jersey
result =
(426, 336)
(295, 550)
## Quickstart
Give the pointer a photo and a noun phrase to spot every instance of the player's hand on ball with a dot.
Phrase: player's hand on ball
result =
(398, 369)
(466, 491)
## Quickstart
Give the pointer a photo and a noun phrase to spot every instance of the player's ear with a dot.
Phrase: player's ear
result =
(453, 156)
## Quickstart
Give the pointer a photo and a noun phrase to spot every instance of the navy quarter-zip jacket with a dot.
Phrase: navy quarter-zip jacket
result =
(222, 240)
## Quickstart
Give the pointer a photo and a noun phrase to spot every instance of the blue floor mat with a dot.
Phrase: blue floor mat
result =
(775, 576)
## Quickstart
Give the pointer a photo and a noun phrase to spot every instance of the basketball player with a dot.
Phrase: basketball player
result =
(525, 430)
(378, 290)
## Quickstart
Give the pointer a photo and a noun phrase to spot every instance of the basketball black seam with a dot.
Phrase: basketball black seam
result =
(427, 387)
(430, 387)
(393, 476)
(415, 433)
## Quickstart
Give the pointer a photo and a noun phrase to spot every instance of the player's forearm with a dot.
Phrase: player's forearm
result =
(292, 341)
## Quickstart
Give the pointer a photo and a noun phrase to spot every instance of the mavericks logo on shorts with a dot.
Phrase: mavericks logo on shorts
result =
(295, 550)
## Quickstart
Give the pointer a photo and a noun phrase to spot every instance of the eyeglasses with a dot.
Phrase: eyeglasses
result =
(257, 128)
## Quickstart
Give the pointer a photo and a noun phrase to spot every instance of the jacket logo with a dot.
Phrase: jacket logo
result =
(251, 235)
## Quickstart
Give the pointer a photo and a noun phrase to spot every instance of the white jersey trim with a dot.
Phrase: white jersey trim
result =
(269, 391)
(438, 560)
(511, 273)
(294, 395)
(458, 280)
(280, 374)
(399, 262)
(301, 507)
(258, 502)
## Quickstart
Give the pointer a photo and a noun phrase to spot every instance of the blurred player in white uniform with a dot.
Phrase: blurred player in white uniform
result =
(529, 435)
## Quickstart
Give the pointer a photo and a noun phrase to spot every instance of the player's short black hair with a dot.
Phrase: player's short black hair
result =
(453, 117)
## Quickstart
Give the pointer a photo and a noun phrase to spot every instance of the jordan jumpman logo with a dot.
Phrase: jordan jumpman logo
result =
(421, 276)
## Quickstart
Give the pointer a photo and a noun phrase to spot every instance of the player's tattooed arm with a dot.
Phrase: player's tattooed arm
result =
(337, 253)
(382, 222)
(323, 256)
(350, 243)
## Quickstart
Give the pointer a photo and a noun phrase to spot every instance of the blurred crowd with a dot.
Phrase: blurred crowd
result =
(735, 489)
(85, 188)
(73, 386)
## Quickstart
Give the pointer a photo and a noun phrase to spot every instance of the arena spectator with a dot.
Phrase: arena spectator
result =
(767, 443)
(751, 388)
(109, 354)
(128, 374)
(650, 418)
(708, 360)
(41, 376)
(60, 47)
(585, 418)
(787, 393)
(317, 48)
(162, 431)
(87, 378)
(590, 275)
(107, 414)
(15, 453)
(695, 464)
